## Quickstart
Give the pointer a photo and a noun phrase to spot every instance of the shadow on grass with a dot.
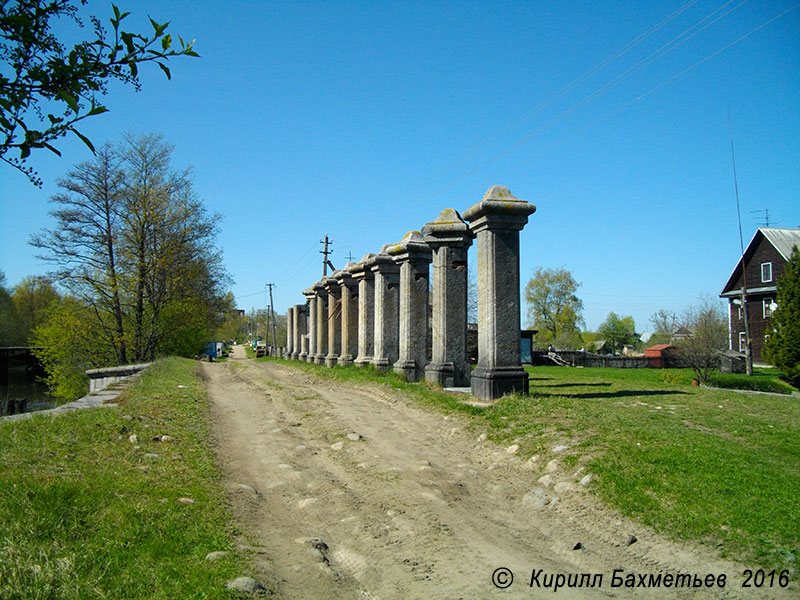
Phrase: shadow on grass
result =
(618, 394)
(564, 385)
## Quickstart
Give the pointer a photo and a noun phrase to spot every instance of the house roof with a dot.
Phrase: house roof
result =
(783, 240)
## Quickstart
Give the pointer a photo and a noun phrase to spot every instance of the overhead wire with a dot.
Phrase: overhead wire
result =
(564, 90)
(560, 93)
(651, 90)
(674, 43)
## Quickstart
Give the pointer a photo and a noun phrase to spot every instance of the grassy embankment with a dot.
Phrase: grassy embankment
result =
(716, 466)
(86, 513)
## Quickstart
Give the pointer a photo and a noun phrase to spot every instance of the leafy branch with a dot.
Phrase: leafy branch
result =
(46, 89)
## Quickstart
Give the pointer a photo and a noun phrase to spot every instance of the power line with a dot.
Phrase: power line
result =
(653, 89)
(652, 57)
(563, 91)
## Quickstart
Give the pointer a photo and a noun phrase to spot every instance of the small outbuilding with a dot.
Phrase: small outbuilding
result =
(657, 356)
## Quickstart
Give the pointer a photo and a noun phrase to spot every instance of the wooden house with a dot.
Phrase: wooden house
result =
(762, 265)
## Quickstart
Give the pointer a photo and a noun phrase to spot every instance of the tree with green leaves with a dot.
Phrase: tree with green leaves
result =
(67, 344)
(136, 249)
(47, 88)
(618, 331)
(84, 245)
(554, 308)
(783, 346)
(663, 322)
(10, 335)
(32, 298)
(708, 327)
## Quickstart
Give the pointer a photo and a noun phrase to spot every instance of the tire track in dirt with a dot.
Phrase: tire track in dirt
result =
(350, 490)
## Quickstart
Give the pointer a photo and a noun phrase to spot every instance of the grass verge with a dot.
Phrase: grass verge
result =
(714, 466)
(87, 511)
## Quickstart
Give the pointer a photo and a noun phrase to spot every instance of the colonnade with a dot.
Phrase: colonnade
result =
(376, 311)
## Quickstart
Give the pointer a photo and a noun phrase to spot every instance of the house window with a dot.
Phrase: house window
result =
(742, 342)
(766, 272)
(741, 313)
(767, 308)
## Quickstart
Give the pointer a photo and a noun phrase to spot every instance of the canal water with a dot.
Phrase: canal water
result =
(24, 384)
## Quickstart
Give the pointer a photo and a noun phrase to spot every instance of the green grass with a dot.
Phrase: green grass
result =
(85, 514)
(710, 465)
(762, 380)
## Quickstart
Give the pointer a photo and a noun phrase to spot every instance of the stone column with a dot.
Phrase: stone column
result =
(311, 329)
(349, 294)
(297, 330)
(289, 331)
(450, 238)
(413, 255)
(387, 284)
(321, 322)
(333, 287)
(366, 309)
(496, 222)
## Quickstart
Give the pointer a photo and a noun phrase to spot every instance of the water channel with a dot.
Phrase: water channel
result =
(24, 392)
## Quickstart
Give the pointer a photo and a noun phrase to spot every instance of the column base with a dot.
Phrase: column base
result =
(446, 375)
(294, 356)
(319, 359)
(362, 361)
(346, 360)
(331, 360)
(303, 357)
(382, 364)
(494, 383)
(408, 369)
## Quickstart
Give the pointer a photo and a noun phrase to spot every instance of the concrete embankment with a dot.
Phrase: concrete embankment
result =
(105, 386)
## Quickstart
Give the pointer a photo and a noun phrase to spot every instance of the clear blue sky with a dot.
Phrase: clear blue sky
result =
(365, 119)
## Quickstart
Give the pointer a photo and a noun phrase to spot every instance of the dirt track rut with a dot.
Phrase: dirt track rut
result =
(351, 491)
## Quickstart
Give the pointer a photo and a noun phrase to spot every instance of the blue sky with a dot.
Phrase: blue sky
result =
(364, 120)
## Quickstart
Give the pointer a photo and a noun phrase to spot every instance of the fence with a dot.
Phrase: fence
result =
(578, 358)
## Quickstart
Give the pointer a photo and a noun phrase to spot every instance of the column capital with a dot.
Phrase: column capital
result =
(499, 209)
(361, 269)
(308, 293)
(383, 263)
(345, 276)
(332, 285)
(412, 248)
(448, 229)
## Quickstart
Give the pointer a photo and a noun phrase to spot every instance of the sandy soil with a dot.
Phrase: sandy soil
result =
(352, 491)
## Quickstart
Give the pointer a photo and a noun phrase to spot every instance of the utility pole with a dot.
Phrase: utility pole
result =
(325, 252)
(748, 352)
(272, 312)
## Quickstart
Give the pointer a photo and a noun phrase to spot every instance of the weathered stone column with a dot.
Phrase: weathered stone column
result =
(311, 344)
(289, 331)
(450, 238)
(387, 284)
(334, 289)
(362, 273)
(303, 330)
(496, 222)
(321, 322)
(349, 295)
(413, 255)
(297, 330)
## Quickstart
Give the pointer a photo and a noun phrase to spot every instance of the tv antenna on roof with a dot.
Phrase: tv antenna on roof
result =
(765, 217)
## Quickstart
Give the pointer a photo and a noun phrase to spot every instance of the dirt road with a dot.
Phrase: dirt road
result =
(351, 491)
